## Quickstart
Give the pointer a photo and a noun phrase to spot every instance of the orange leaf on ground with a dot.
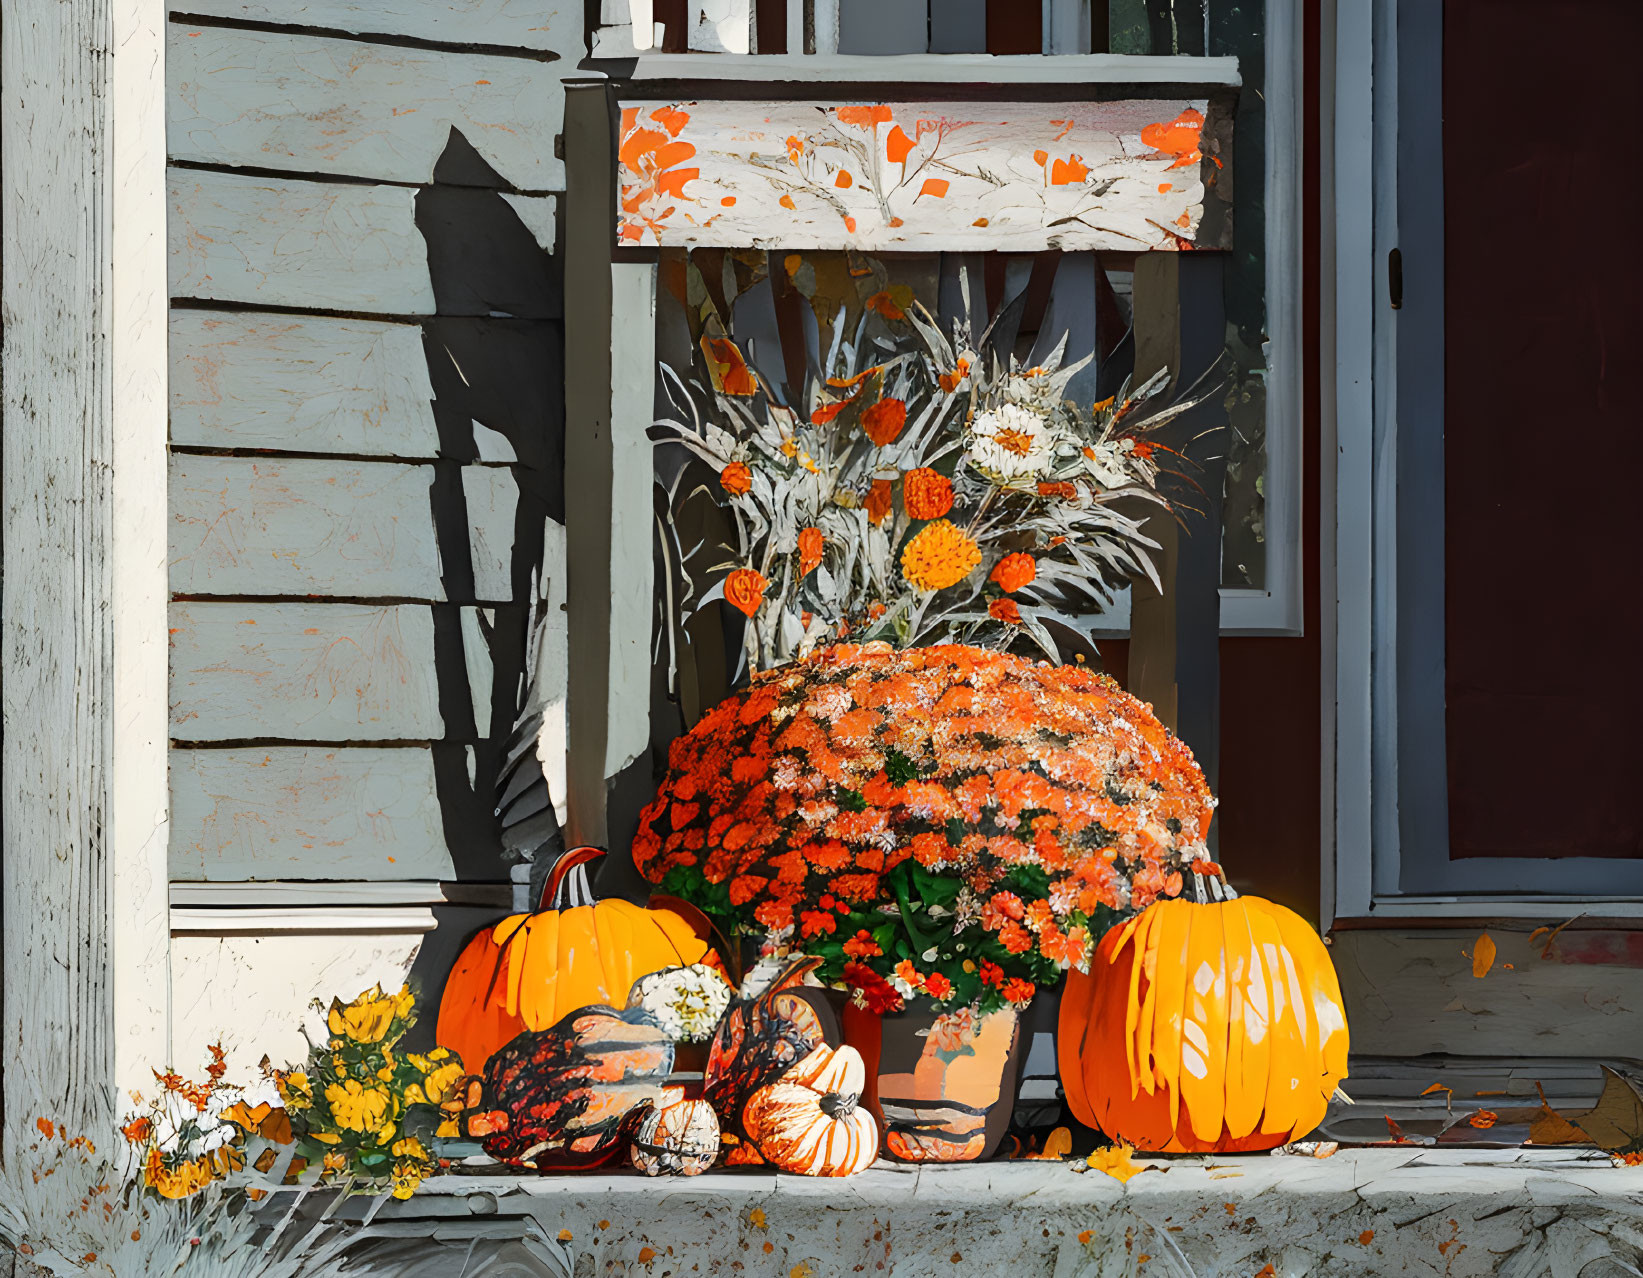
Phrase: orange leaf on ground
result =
(936, 187)
(1484, 1119)
(1483, 956)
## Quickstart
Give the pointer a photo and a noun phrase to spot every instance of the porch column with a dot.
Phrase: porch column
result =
(83, 614)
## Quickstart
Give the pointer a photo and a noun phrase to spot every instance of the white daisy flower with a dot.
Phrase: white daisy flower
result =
(1010, 443)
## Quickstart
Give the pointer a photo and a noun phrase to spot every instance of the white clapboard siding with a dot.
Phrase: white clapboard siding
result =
(330, 246)
(294, 812)
(291, 526)
(321, 104)
(308, 671)
(553, 25)
(307, 526)
(247, 984)
(300, 383)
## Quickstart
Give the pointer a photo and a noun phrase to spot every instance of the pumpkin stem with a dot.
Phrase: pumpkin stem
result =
(839, 1104)
(567, 884)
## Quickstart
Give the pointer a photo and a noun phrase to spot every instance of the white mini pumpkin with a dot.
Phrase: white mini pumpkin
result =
(676, 1138)
(809, 1121)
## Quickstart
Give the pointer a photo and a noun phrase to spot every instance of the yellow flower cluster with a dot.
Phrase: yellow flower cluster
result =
(354, 1102)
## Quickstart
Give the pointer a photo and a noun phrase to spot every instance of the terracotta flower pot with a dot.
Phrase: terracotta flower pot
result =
(941, 1085)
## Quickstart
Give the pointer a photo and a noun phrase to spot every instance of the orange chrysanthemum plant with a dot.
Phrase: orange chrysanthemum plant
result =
(947, 820)
(921, 486)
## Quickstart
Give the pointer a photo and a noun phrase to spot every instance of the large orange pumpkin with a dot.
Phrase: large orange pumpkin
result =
(1204, 1027)
(531, 970)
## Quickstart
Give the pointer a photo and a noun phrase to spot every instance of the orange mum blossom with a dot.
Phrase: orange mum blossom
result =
(736, 479)
(1015, 571)
(744, 590)
(879, 501)
(926, 493)
(883, 421)
(1004, 610)
(1007, 811)
(810, 550)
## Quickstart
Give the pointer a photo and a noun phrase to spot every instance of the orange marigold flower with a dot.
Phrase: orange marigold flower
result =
(941, 555)
(774, 914)
(1004, 610)
(878, 501)
(937, 986)
(138, 1130)
(1019, 991)
(991, 974)
(1061, 489)
(1484, 1118)
(810, 550)
(1015, 938)
(1015, 571)
(926, 493)
(736, 479)
(862, 945)
(47, 1128)
(907, 972)
(744, 887)
(884, 420)
(744, 590)
(814, 922)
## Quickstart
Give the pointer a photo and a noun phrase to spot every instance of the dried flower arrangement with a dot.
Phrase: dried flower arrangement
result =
(945, 820)
(925, 489)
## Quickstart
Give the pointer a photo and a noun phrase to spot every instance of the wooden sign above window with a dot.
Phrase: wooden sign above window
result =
(1128, 176)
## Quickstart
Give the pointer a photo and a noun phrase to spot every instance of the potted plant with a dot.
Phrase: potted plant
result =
(946, 825)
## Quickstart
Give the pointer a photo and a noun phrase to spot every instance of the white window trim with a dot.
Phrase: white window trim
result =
(1361, 874)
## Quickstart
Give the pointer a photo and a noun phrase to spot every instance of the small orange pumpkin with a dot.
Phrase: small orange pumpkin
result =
(530, 971)
(809, 1121)
(1204, 1027)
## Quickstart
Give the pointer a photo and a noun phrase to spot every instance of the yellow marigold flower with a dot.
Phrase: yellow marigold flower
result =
(294, 1089)
(448, 1130)
(356, 1108)
(406, 1180)
(367, 1018)
(410, 1148)
(441, 1082)
(941, 555)
(335, 1161)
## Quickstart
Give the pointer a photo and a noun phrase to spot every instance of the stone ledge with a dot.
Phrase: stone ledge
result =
(1451, 1212)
